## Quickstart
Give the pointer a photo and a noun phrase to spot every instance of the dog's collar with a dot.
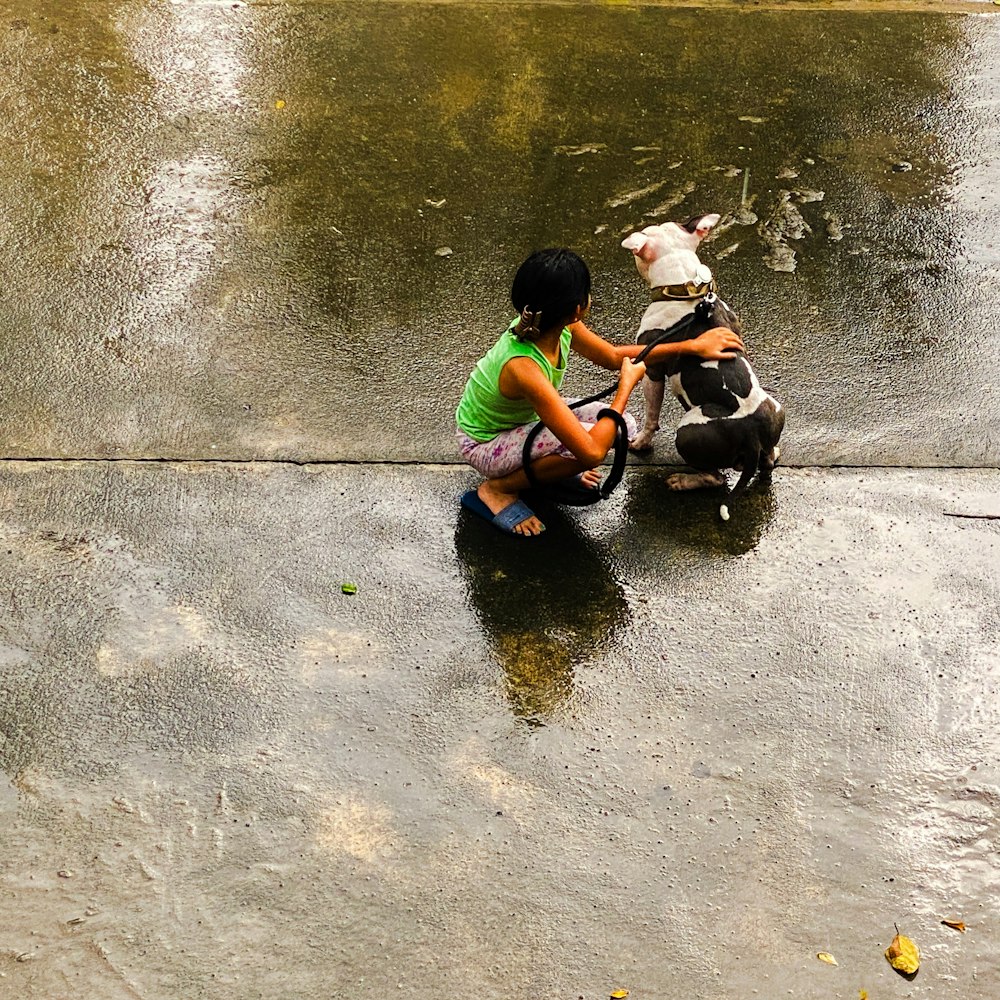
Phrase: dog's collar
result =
(688, 292)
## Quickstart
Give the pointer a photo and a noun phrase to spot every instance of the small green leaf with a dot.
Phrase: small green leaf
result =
(349, 588)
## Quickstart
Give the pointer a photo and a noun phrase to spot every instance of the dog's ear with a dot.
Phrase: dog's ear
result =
(640, 245)
(706, 224)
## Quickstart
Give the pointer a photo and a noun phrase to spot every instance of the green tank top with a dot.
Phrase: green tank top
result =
(484, 411)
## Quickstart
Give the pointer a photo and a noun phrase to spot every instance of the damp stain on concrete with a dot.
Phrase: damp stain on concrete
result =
(223, 221)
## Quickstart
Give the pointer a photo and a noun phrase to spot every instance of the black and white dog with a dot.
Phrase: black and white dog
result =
(730, 422)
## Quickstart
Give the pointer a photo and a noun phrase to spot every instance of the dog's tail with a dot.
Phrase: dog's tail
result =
(751, 461)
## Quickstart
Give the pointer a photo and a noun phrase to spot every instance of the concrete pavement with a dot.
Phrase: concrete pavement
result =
(648, 750)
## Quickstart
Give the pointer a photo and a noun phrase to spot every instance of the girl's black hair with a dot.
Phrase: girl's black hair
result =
(550, 285)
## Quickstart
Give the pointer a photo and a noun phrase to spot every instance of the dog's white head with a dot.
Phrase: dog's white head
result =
(667, 254)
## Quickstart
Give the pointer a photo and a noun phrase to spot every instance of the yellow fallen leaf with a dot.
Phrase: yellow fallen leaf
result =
(825, 956)
(957, 925)
(279, 104)
(619, 995)
(862, 994)
(903, 955)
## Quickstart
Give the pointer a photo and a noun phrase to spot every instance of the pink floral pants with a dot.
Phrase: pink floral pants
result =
(502, 455)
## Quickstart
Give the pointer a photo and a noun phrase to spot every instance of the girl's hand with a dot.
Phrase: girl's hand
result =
(631, 374)
(716, 344)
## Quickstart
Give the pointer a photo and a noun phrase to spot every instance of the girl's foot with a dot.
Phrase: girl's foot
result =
(497, 500)
(591, 478)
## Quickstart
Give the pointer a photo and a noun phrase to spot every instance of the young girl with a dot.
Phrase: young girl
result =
(516, 383)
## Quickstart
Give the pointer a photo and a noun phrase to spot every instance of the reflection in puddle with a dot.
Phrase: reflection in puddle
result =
(689, 523)
(953, 825)
(188, 200)
(195, 56)
(198, 66)
(547, 606)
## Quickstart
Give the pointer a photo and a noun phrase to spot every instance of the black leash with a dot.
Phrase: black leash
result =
(582, 496)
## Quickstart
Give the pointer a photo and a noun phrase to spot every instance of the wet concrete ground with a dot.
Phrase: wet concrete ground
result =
(227, 778)
(646, 751)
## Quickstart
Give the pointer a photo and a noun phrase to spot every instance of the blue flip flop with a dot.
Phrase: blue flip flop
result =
(507, 520)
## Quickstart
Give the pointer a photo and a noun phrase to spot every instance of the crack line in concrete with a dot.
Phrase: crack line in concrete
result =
(48, 460)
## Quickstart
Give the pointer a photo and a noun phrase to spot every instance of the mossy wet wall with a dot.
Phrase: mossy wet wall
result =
(288, 231)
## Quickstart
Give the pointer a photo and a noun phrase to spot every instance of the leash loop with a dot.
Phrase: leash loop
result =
(620, 445)
(614, 477)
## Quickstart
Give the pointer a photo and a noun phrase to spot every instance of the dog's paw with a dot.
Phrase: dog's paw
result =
(695, 480)
(642, 442)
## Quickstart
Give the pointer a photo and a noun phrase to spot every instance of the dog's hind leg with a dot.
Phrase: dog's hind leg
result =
(751, 462)
(695, 480)
(653, 391)
(771, 426)
(767, 463)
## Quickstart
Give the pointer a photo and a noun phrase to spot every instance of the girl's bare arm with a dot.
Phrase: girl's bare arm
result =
(525, 380)
(716, 344)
